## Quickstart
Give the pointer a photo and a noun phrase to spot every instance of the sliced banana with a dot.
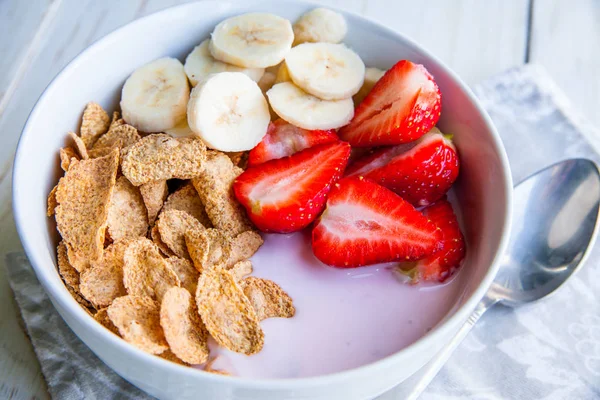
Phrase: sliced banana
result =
(228, 112)
(200, 63)
(326, 70)
(372, 75)
(283, 75)
(155, 96)
(320, 25)
(255, 40)
(307, 111)
(180, 130)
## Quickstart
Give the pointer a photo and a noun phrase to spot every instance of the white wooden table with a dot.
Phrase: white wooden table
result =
(477, 38)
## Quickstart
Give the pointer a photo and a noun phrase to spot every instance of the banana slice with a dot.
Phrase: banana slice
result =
(320, 25)
(307, 111)
(228, 112)
(155, 96)
(200, 63)
(180, 130)
(326, 70)
(255, 40)
(283, 75)
(372, 75)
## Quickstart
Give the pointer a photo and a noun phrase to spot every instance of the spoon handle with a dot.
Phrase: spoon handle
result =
(432, 368)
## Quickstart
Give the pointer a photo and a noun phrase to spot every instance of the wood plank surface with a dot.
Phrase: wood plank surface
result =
(22, 28)
(565, 39)
(475, 38)
(19, 21)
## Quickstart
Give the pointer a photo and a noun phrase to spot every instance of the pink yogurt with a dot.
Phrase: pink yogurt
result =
(345, 318)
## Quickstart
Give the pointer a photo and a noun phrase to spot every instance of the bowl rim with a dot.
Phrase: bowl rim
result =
(60, 295)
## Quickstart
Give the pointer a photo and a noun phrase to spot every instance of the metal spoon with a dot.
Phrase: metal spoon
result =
(554, 223)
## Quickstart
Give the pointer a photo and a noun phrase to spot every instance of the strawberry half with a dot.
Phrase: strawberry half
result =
(284, 139)
(287, 194)
(364, 223)
(420, 172)
(442, 264)
(402, 106)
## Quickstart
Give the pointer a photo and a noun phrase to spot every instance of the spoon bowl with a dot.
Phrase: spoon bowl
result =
(554, 221)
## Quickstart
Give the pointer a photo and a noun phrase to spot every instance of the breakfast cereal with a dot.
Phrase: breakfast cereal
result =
(214, 187)
(79, 145)
(65, 269)
(186, 199)
(103, 151)
(155, 236)
(241, 269)
(103, 281)
(116, 120)
(121, 278)
(95, 122)
(185, 271)
(51, 202)
(227, 313)
(67, 155)
(207, 247)
(267, 298)
(198, 246)
(183, 328)
(172, 226)
(154, 194)
(169, 356)
(78, 262)
(243, 246)
(160, 156)
(122, 134)
(83, 197)
(102, 317)
(86, 305)
(138, 320)
(127, 214)
(146, 272)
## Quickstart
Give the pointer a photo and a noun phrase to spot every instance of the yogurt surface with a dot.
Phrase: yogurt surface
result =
(345, 318)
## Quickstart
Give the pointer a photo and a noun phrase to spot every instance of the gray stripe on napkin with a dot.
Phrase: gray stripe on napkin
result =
(70, 368)
(536, 122)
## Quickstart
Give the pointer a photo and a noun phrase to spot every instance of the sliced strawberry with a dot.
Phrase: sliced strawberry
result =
(364, 223)
(402, 106)
(284, 139)
(287, 194)
(442, 264)
(421, 172)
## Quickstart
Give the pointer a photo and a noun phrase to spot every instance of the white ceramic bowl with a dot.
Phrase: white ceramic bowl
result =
(484, 191)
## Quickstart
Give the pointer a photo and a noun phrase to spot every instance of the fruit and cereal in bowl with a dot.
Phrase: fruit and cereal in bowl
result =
(271, 199)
